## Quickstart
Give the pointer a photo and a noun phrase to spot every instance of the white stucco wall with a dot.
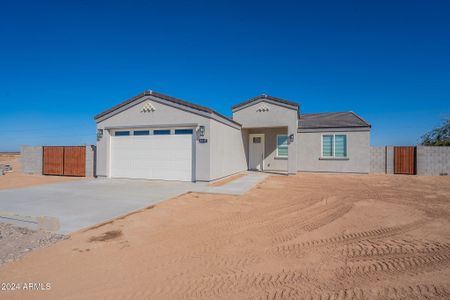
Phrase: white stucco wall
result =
(358, 152)
(227, 154)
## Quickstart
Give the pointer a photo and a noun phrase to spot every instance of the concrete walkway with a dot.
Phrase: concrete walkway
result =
(236, 187)
(70, 206)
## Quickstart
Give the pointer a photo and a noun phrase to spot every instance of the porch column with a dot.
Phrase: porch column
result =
(292, 149)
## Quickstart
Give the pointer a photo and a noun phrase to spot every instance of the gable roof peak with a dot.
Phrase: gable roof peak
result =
(167, 98)
(268, 97)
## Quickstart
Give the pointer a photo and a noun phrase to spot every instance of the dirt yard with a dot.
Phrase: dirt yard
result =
(310, 235)
(16, 179)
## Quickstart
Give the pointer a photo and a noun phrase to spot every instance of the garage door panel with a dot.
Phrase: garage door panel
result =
(167, 157)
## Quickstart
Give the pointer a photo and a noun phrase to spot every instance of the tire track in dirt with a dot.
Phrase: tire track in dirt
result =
(407, 264)
(420, 291)
(383, 232)
(373, 249)
(226, 285)
(291, 291)
(314, 221)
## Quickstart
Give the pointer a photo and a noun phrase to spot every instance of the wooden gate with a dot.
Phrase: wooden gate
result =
(53, 161)
(405, 160)
(67, 160)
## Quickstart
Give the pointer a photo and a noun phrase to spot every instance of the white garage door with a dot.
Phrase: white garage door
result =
(167, 157)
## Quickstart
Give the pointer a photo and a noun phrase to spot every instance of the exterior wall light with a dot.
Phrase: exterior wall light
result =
(201, 131)
(99, 134)
(291, 138)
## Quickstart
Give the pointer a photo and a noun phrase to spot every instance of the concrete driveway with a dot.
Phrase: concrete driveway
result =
(80, 204)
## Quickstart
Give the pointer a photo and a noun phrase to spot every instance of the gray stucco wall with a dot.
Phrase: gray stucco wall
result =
(378, 160)
(358, 152)
(433, 160)
(271, 162)
(31, 159)
(277, 115)
(227, 154)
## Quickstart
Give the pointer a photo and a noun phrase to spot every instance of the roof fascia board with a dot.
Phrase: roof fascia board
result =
(265, 100)
(334, 129)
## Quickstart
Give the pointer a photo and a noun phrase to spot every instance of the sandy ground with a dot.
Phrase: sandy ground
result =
(16, 179)
(310, 235)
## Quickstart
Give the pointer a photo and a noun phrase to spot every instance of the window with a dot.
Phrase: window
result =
(327, 145)
(141, 132)
(183, 131)
(282, 145)
(256, 140)
(161, 131)
(121, 133)
(334, 145)
(340, 145)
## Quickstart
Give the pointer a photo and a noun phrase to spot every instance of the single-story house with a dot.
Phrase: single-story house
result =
(155, 136)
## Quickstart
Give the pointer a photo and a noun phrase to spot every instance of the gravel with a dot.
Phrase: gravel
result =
(17, 241)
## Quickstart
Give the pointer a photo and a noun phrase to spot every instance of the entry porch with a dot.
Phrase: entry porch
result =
(267, 149)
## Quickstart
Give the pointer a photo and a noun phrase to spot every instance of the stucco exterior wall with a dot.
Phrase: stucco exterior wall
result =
(276, 116)
(271, 162)
(31, 159)
(358, 152)
(227, 154)
(163, 116)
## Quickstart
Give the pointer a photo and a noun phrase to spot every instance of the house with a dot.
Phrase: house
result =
(155, 136)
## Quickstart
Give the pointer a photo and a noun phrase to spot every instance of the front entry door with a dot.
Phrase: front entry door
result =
(256, 152)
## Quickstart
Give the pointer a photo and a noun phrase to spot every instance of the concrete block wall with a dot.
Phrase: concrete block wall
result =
(90, 160)
(433, 160)
(430, 160)
(389, 159)
(378, 160)
(31, 159)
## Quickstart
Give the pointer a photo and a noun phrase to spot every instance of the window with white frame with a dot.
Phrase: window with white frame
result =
(282, 145)
(334, 145)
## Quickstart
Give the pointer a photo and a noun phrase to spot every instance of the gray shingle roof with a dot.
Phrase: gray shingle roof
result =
(331, 120)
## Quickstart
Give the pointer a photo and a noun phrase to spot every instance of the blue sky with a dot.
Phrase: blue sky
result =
(63, 62)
